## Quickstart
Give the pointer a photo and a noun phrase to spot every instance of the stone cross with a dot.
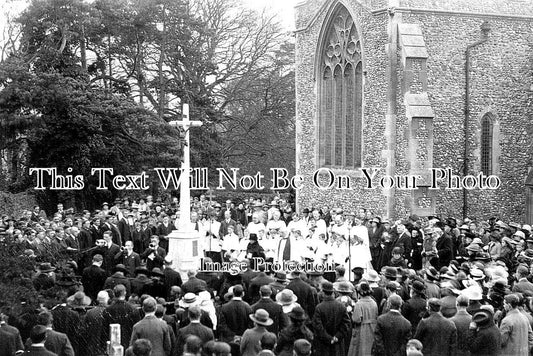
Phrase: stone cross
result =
(185, 194)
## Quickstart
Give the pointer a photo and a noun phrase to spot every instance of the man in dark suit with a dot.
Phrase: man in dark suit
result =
(437, 334)
(194, 328)
(193, 284)
(93, 277)
(96, 345)
(95, 230)
(118, 277)
(141, 284)
(126, 225)
(110, 250)
(137, 238)
(444, 247)
(416, 306)
(259, 280)
(304, 292)
(7, 344)
(163, 230)
(152, 329)
(110, 225)
(213, 279)
(171, 277)
(69, 322)
(154, 254)
(228, 221)
(275, 311)
(85, 237)
(38, 337)
(55, 341)
(523, 285)
(120, 312)
(331, 324)
(462, 320)
(234, 318)
(146, 234)
(127, 257)
(5, 327)
(392, 330)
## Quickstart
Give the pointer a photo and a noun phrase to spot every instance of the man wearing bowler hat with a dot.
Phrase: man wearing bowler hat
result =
(331, 324)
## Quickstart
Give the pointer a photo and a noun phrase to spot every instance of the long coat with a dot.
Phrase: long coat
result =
(275, 311)
(234, 319)
(485, 341)
(365, 314)
(123, 313)
(304, 292)
(516, 334)
(413, 310)
(438, 335)
(330, 320)
(7, 344)
(462, 322)
(288, 336)
(391, 335)
(445, 250)
(93, 279)
(155, 330)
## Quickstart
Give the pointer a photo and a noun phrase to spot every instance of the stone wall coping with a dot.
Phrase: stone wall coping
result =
(415, 10)
(412, 10)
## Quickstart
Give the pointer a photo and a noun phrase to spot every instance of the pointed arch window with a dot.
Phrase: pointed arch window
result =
(340, 93)
(487, 136)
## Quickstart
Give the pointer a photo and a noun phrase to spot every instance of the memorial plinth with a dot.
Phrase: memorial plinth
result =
(184, 249)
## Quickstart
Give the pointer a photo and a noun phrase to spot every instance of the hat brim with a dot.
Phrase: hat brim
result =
(297, 317)
(120, 269)
(286, 302)
(268, 322)
(184, 304)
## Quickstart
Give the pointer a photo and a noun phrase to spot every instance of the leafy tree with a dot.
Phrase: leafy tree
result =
(259, 131)
(95, 85)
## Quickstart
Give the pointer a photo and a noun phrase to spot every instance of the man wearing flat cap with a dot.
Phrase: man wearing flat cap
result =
(437, 334)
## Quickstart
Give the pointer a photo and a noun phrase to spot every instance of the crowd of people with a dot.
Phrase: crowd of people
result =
(415, 286)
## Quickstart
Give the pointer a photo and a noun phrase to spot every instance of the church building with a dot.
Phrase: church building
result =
(416, 107)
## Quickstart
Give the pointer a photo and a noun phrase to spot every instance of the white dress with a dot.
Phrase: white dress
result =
(360, 249)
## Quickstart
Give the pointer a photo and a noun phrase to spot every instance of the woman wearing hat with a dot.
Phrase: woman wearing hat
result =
(251, 339)
(287, 299)
(364, 317)
(295, 331)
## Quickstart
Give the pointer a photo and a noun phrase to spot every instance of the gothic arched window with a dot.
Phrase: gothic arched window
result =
(487, 133)
(340, 93)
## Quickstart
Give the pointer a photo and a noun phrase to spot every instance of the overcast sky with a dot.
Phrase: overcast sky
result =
(284, 9)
